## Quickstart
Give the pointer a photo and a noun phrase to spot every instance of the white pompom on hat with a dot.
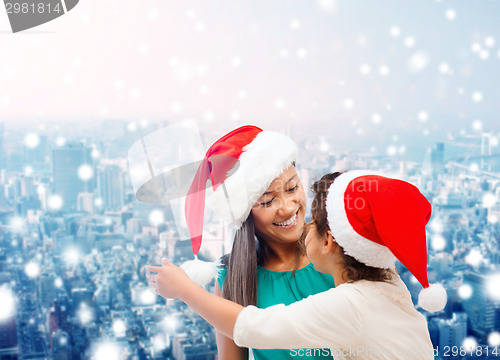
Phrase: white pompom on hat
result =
(377, 220)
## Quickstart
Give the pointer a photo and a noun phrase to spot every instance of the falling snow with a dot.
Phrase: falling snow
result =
(7, 301)
(465, 291)
(451, 14)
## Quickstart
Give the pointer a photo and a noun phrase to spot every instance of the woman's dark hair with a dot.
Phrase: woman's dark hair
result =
(248, 252)
(355, 270)
(241, 280)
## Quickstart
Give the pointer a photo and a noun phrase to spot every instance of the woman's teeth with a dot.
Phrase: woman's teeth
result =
(287, 222)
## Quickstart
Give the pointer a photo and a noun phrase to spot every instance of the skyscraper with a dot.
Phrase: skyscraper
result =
(111, 187)
(73, 173)
(437, 159)
(8, 327)
(452, 332)
(479, 307)
(486, 151)
(61, 346)
(46, 289)
(85, 202)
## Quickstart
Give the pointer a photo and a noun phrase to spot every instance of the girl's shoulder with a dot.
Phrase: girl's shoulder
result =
(394, 290)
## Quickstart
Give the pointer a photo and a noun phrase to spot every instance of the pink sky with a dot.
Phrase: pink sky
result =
(271, 63)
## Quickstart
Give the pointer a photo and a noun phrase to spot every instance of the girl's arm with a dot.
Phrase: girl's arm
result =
(226, 347)
(327, 319)
(172, 282)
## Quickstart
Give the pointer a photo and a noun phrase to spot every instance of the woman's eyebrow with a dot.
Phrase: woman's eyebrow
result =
(270, 192)
(293, 177)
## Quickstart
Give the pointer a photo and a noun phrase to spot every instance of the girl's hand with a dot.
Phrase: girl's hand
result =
(169, 280)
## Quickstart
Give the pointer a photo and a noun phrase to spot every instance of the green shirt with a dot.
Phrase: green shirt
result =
(274, 287)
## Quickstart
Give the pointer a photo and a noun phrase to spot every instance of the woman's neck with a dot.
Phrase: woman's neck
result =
(284, 257)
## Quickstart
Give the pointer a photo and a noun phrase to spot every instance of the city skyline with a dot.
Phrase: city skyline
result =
(404, 88)
(71, 259)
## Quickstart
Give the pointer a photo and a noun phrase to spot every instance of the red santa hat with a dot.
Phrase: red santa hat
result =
(240, 166)
(377, 220)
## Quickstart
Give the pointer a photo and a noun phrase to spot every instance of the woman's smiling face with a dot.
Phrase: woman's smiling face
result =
(279, 213)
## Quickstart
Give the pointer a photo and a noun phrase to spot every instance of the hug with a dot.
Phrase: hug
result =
(330, 284)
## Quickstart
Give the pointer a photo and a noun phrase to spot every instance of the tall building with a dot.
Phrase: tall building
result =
(486, 151)
(85, 202)
(61, 346)
(47, 289)
(452, 332)
(433, 325)
(27, 186)
(191, 347)
(479, 307)
(57, 317)
(437, 159)
(8, 337)
(111, 185)
(70, 178)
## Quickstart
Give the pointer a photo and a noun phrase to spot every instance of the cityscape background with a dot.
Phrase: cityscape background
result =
(405, 88)
(74, 240)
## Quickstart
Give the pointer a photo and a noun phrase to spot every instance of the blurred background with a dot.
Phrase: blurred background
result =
(408, 88)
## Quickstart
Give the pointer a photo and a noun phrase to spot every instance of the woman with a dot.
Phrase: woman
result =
(257, 190)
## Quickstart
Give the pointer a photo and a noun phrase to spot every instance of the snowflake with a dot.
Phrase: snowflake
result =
(451, 14)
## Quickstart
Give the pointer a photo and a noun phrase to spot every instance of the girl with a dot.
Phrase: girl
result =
(361, 224)
(257, 190)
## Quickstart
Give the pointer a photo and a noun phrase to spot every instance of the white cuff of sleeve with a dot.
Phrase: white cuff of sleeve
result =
(241, 325)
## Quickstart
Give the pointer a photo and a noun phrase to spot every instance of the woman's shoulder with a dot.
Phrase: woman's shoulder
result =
(221, 276)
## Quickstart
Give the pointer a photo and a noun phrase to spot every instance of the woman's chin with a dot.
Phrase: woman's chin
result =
(292, 234)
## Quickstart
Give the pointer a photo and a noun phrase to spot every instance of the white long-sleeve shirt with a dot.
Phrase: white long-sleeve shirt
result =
(360, 320)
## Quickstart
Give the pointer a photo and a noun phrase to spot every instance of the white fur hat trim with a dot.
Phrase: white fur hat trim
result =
(264, 159)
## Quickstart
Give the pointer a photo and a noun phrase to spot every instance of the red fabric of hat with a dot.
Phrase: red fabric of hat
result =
(219, 160)
(392, 213)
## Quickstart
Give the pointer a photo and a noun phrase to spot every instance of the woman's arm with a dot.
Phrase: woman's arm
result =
(226, 347)
(172, 282)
